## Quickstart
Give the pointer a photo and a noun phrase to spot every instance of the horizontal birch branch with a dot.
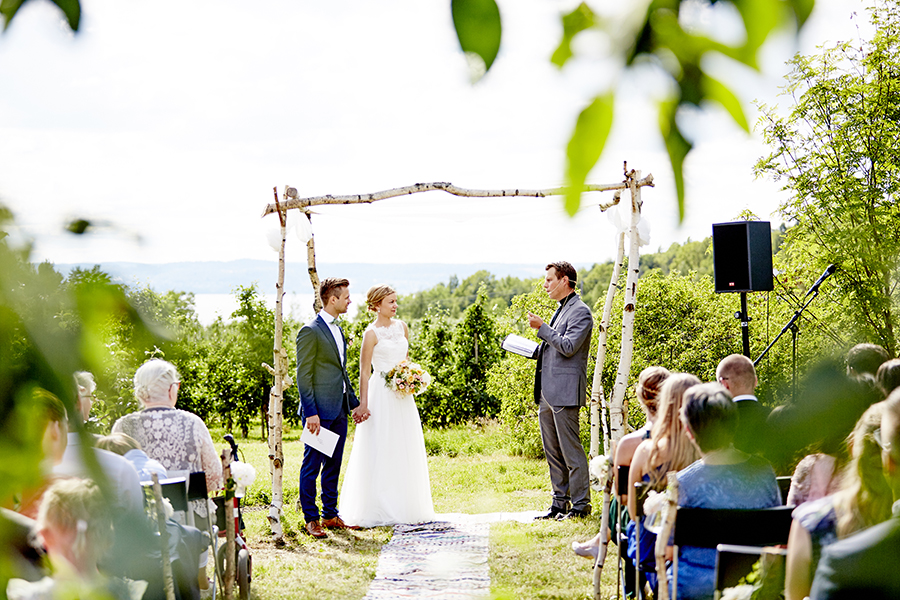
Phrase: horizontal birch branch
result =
(294, 202)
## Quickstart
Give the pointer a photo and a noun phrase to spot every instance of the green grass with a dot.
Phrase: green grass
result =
(470, 473)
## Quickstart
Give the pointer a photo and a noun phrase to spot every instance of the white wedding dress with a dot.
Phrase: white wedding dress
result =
(387, 481)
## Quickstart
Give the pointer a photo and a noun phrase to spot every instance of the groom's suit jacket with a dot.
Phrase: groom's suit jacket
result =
(562, 357)
(325, 388)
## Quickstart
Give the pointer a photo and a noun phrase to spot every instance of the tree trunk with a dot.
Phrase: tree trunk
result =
(276, 399)
(311, 266)
(598, 398)
(662, 538)
(616, 410)
(228, 506)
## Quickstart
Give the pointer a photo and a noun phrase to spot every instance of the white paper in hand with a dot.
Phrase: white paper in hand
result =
(324, 442)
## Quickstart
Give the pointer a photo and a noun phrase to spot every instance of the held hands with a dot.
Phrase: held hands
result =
(360, 414)
(534, 321)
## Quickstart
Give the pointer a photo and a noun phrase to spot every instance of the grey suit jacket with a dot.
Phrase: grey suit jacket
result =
(322, 380)
(563, 355)
(863, 565)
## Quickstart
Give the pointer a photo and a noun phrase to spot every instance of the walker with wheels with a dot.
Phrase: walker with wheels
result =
(243, 561)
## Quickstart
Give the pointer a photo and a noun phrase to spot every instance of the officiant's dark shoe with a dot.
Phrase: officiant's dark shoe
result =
(574, 514)
(553, 514)
(337, 523)
(315, 530)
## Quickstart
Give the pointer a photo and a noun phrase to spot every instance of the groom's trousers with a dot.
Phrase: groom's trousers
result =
(565, 456)
(315, 462)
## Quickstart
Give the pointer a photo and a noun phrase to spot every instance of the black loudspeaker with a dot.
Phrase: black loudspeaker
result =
(742, 256)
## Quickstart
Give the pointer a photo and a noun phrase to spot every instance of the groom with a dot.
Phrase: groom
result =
(326, 399)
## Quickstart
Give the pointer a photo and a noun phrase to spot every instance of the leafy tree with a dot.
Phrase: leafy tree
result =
(432, 347)
(836, 153)
(476, 349)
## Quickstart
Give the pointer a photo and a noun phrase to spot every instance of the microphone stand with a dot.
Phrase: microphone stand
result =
(795, 331)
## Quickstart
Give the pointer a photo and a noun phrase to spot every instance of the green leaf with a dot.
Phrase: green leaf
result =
(573, 23)
(70, 8)
(802, 9)
(760, 18)
(677, 147)
(717, 91)
(586, 145)
(478, 28)
(9, 8)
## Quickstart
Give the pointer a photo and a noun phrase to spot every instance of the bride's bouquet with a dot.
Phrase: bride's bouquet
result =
(407, 378)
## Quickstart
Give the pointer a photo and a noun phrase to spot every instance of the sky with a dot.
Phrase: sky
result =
(167, 125)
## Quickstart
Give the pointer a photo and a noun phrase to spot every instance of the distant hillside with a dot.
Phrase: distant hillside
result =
(223, 277)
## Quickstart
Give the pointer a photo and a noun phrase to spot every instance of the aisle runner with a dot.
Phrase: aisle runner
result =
(446, 559)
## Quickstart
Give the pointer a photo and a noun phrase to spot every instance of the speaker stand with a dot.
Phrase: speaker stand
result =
(744, 318)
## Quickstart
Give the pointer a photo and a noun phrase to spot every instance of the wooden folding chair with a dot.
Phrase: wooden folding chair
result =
(619, 535)
(710, 527)
(734, 562)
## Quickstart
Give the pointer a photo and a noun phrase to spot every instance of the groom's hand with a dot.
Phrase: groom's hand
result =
(360, 414)
(313, 424)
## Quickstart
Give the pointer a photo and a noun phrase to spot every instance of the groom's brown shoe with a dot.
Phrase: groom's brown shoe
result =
(315, 530)
(337, 523)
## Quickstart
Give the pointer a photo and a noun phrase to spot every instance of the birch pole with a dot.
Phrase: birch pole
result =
(598, 400)
(311, 265)
(276, 394)
(662, 538)
(616, 411)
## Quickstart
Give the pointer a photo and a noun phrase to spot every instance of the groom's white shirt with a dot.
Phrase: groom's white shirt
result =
(335, 332)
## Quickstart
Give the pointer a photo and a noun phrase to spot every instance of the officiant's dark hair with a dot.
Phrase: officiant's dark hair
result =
(564, 268)
(330, 286)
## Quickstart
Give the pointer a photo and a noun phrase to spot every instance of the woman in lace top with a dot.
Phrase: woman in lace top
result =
(176, 438)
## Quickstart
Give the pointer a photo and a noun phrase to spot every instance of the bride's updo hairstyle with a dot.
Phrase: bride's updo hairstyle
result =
(376, 294)
(153, 380)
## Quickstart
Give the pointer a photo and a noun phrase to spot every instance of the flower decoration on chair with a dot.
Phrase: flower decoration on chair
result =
(243, 475)
(599, 471)
(407, 378)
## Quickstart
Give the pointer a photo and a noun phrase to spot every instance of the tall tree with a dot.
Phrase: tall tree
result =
(837, 154)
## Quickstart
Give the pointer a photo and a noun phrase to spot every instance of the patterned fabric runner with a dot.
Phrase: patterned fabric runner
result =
(441, 560)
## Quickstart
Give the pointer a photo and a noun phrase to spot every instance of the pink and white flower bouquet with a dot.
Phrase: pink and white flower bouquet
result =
(407, 378)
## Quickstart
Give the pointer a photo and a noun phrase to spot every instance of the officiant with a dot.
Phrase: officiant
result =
(560, 385)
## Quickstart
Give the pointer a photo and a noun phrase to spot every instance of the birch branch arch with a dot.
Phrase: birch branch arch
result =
(633, 183)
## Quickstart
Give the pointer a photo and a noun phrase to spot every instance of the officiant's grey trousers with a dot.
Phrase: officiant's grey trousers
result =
(565, 456)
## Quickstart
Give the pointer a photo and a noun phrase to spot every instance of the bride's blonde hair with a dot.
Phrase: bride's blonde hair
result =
(376, 294)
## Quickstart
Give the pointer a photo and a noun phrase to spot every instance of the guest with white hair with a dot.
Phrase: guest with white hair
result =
(179, 440)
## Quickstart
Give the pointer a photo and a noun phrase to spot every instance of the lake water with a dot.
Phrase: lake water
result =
(299, 306)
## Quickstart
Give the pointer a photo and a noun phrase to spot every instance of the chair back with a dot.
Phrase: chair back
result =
(784, 486)
(622, 480)
(175, 490)
(710, 527)
(197, 486)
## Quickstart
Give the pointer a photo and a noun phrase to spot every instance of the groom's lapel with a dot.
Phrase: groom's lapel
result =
(326, 331)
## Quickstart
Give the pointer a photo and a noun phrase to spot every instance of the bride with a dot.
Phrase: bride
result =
(386, 481)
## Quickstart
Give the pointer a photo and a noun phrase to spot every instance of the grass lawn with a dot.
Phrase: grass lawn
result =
(470, 473)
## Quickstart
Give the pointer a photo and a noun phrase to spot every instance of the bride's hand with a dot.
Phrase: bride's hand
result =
(360, 414)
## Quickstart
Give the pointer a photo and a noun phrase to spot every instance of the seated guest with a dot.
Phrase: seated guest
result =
(127, 446)
(866, 359)
(125, 487)
(724, 477)
(863, 499)
(76, 529)
(179, 440)
(737, 373)
(50, 417)
(888, 375)
(668, 449)
(864, 564)
(647, 391)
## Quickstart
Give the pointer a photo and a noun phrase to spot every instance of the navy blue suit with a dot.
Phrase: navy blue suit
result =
(326, 392)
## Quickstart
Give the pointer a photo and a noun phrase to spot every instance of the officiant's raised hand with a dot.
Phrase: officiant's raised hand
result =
(534, 321)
